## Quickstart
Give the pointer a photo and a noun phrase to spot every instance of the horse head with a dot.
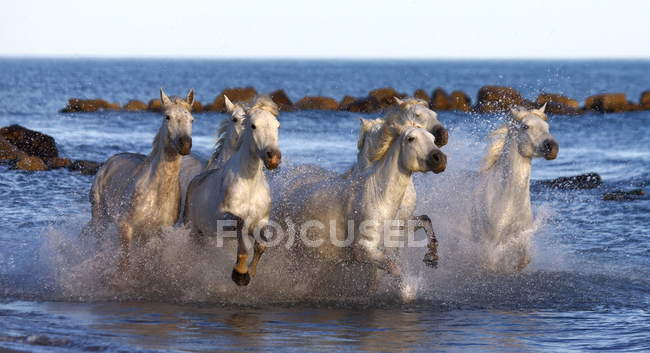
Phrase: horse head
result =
(177, 124)
(531, 130)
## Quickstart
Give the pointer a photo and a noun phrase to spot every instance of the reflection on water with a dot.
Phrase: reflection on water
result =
(157, 326)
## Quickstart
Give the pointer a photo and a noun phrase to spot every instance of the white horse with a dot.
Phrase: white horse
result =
(228, 133)
(415, 111)
(138, 193)
(502, 217)
(238, 191)
(367, 199)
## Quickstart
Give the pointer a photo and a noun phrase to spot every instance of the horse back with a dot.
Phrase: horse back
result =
(113, 177)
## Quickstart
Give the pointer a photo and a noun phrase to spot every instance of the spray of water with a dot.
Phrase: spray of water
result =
(174, 266)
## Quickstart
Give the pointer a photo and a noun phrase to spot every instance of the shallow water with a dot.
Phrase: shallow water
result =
(586, 289)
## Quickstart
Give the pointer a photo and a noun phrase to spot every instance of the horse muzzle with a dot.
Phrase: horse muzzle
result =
(184, 145)
(441, 134)
(550, 149)
(437, 161)
(272, 158)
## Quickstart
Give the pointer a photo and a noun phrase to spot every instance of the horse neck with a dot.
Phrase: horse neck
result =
(246, 162)
(164, 160)
(387, 181)
(512, 169)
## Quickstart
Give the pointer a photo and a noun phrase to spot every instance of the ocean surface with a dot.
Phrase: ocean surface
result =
(587, 288)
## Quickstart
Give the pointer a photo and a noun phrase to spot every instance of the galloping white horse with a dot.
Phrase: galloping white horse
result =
(238, 191)
(138, 193)
(367, 199)
(417, 112)
(228, 134)
(502, 215)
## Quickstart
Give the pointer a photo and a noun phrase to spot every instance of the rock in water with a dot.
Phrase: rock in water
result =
(283, 101)
(30, 164)
(620, 195)
(135, 105)
(582, 181)
(29, 141)
(607, 103)
(85, 167)
(88, 105)
(235, 95)
(491, 99)
(317, 103)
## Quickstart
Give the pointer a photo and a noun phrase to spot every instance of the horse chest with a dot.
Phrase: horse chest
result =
(248, 200)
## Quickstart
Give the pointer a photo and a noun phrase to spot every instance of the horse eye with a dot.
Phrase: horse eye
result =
(410, 139)
(234, 120)
(253, 126)
(525, 127)
(167, 117)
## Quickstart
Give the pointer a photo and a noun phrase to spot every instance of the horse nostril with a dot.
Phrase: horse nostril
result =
(269, 154)
(441, 134)
(550, 149)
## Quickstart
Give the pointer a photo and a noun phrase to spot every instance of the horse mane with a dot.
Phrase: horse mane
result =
(498, 136)
(180, 101)
(264, 102)
(366, 127)
(495, 147)
(222, 136)
(393, 126)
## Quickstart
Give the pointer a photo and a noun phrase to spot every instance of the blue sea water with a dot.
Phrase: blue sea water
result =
(587, 289)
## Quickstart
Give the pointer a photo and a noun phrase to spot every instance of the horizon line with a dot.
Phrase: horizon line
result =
(322, 58)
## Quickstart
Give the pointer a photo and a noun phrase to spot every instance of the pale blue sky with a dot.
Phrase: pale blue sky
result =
(327, 29)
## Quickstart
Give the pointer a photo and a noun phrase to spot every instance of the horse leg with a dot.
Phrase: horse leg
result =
(126, 238)
(431, 257)
(259, 249)
(240, 274)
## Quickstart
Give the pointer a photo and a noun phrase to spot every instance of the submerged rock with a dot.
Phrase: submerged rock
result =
(644, 100)
(85, 167)
(8, 152)
(620, 195)
(283, 101)
(235, 95)
(317, 103)
(376, 100)
(440, 100)
(492, 99)
(155, 105)
(607, 103)
(346, 102)
(30, 164)
(385, 96)
(559, 104)
(89, 105)
(58, 162)
(29, 141)
(460, 101)
(135, 105)
(582, 181)
(421, 94)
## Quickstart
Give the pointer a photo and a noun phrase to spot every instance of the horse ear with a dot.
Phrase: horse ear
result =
(163, 98)
(190, 97)
(542, 109)
(517, 113)
(229, 106)
(364, 123)
(398, 101)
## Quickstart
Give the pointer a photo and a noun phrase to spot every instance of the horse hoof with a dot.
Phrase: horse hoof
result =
(241, 279)
(430, 260)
